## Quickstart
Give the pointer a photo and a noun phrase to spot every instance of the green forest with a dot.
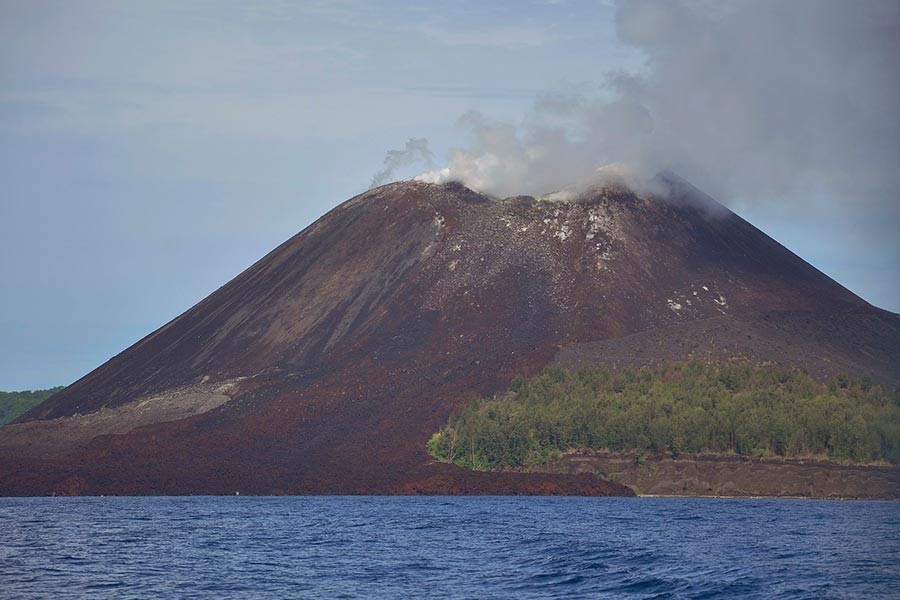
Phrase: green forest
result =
(13, 404)
(691, 408)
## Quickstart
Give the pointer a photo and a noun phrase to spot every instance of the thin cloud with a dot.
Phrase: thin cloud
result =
(507, 37)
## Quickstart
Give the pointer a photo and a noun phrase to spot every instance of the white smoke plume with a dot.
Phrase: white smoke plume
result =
(760, 98)
(563, 142)
(416, 150)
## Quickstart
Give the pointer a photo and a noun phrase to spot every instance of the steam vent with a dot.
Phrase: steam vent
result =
(326, 366)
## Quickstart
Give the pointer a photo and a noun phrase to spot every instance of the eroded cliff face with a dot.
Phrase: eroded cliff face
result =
(354, 340)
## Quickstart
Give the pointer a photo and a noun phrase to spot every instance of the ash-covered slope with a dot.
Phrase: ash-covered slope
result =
(326, 366)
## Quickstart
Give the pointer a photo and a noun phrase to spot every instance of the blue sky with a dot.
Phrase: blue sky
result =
(150, 151)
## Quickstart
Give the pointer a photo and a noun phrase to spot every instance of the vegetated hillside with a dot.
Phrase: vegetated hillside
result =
(327, 365)
(734, 408)
(13, 404)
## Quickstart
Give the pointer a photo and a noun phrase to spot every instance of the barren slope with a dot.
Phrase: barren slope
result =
(349, 344)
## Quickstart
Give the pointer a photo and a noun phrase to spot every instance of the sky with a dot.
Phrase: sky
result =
(151, 151)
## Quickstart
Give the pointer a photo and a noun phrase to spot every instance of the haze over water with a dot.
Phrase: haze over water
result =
(490, 547)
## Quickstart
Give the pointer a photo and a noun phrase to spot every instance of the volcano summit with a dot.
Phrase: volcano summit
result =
(327, 365)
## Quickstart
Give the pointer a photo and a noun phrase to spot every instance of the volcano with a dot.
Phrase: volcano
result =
(325, 367)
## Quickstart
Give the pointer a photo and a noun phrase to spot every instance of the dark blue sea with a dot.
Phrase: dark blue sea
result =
(399, 547)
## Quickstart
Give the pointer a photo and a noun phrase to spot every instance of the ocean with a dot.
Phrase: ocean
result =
(447, 547)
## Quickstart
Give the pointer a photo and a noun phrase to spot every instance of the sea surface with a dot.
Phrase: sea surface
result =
(447, 547)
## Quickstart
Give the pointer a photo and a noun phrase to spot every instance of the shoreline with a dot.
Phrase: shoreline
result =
(718, 476)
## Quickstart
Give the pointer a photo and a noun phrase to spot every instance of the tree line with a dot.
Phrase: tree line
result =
(13, 404)
(730, 408)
